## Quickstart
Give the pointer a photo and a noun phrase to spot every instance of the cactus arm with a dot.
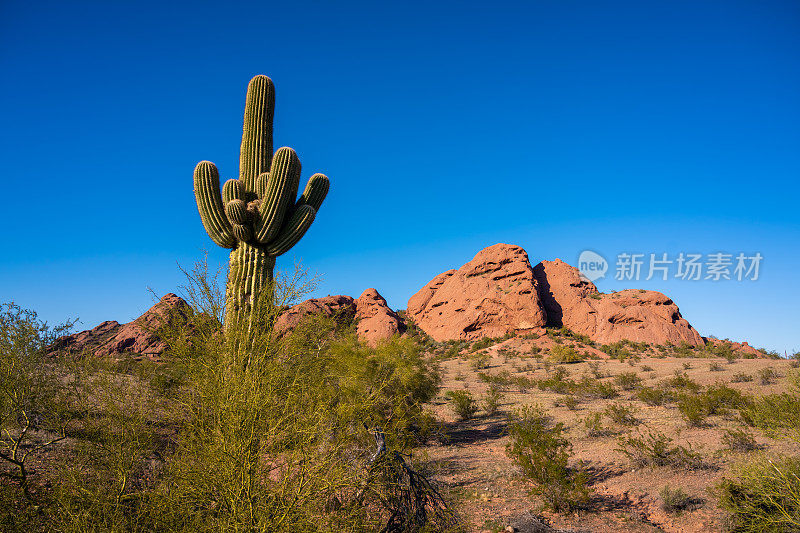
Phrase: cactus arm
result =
(256, 151)
(232, 190)
(209, 204)
(315, 192)
(284, 177)
(293, 230)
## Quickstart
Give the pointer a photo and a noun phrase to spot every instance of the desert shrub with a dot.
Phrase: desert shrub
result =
(565, 354)
(523, 383)
(570, 403)
(594, 368)
(484, 343)
(777, 414)
(674, 500)
(681, 382)
(624, 415)
(480, 361)
(693, 410)
(491, 401)
(763, 495)
(595, 388)
(557, 382)
(714, 367)
(542, 452)
(652, 396)
(741, 377)
(714, 400)
(739, 440)
(501, 380)
(646, 368)
(33, 412)
(463, 403)
(656, 449)
(300, 432)
(627, 380)
(593, 423)
(766, 376)
(535, 351)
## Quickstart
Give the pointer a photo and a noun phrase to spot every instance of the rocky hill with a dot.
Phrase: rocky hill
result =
(498, 292)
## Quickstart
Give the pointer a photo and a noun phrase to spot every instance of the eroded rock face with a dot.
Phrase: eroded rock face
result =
(636, 315)
(339, 305)
(491, 295)
(112, 339)
(376, 321)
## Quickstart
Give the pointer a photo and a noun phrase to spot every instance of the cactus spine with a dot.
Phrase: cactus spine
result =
(257, 215)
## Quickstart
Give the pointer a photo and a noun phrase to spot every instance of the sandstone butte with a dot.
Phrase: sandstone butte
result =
(495, 293)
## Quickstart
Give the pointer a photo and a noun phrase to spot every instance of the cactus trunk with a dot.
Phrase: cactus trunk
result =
(250, 274)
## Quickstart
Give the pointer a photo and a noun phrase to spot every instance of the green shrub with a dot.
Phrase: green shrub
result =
(741, 377)
(565, 354)
(693, 410)
(714, 367)
(674, 500)
(763, 496)
(463, 403)
(542, 452)
(480, 361)
(595, 388)
(652, 396)
(594, 425)
(656, 449)
(739, 440)
(766, 376)
(624, 415)
(627, 380)
(491, 401)
(33, 412)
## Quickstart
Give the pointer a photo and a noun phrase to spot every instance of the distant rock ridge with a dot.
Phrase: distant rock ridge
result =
(112, 339)
(495, 293)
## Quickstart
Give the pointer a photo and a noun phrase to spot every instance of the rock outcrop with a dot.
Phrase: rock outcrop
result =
(376, 321)
(636, 315)
(491, 295)
(112, 339)
(342, 307)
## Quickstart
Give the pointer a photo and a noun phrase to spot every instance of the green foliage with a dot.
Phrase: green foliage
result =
(763, 495)
(714, 400)
(624, 415)
(777, 414)
(652, 396)
(463, 403)
(656, 449)
(542, 452)
(741, 377)
(593, 424)
(491, 401)
(766, 376)
(627, 380)
(739, 440)
(565, 354)
(33, 413)
(674, 500)
(480, 361)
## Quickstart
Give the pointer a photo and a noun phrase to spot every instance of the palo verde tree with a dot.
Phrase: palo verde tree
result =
(257, 216)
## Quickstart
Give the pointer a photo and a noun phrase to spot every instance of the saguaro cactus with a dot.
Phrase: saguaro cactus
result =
(258, 215)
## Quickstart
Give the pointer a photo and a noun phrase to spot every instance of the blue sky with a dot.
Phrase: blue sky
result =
(445, 127)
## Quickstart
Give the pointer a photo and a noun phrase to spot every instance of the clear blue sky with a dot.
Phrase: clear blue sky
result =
(445, 127)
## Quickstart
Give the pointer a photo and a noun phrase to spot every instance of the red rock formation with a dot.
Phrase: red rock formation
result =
(636, 315)
(376, 321)
(140, 336)
(341, 306)
(494, 293)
